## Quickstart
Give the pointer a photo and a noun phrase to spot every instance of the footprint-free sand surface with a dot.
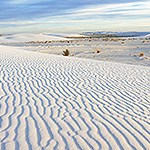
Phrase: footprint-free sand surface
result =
(56, 102)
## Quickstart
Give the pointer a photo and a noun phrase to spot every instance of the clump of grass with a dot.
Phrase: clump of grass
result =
(141, 54)
(105, 39)
(66, 53)
(97, 51)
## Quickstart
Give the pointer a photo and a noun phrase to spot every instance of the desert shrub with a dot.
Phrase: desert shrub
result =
(65, 53)
(141, 54)
(98, 51)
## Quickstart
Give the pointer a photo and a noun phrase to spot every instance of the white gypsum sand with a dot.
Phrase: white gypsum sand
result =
(26, 37)
(114, 49)
(55, 102)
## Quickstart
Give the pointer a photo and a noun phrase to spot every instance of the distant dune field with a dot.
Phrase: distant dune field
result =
(113, 49)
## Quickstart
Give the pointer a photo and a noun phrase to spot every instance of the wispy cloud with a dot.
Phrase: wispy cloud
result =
(135, 8)
(23, 1)
(50, 15)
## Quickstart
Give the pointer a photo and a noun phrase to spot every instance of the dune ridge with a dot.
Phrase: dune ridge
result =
(26, 37)
(55, 102)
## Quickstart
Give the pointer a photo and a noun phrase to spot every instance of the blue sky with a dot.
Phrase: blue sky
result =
(57, 16)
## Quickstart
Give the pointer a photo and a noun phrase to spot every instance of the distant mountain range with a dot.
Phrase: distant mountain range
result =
(117, 34)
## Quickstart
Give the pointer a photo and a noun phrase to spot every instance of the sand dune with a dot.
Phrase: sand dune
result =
(55, 102)
(26, 37)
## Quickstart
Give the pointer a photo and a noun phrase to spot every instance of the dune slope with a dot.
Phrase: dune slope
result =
(25, 37)
(56, 102)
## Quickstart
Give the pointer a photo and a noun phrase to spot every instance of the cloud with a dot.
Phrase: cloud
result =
(23, 1)
(136, 8)
(45, 8)
(50, 15)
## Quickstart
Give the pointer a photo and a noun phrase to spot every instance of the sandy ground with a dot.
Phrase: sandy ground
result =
(56, 102)
(124, 50)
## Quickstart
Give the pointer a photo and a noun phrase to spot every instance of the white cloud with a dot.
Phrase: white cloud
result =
(97, 17)
(125, 8)
(23, 1)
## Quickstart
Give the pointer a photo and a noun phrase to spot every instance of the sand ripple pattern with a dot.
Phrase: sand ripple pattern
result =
(64, 103)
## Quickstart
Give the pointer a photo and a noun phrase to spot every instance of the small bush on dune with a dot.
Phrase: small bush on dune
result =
(141, 54)
(97, 51)
(65, 53)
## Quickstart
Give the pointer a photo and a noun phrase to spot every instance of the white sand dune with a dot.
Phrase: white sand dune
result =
(26, 37)
(147, 36)
(70, 35)
(55, 102)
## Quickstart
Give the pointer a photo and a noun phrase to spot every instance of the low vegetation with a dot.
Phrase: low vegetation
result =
(97, 51)
(66, 53)
(141, 54)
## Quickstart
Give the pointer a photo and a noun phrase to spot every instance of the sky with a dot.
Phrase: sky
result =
(65, 16)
